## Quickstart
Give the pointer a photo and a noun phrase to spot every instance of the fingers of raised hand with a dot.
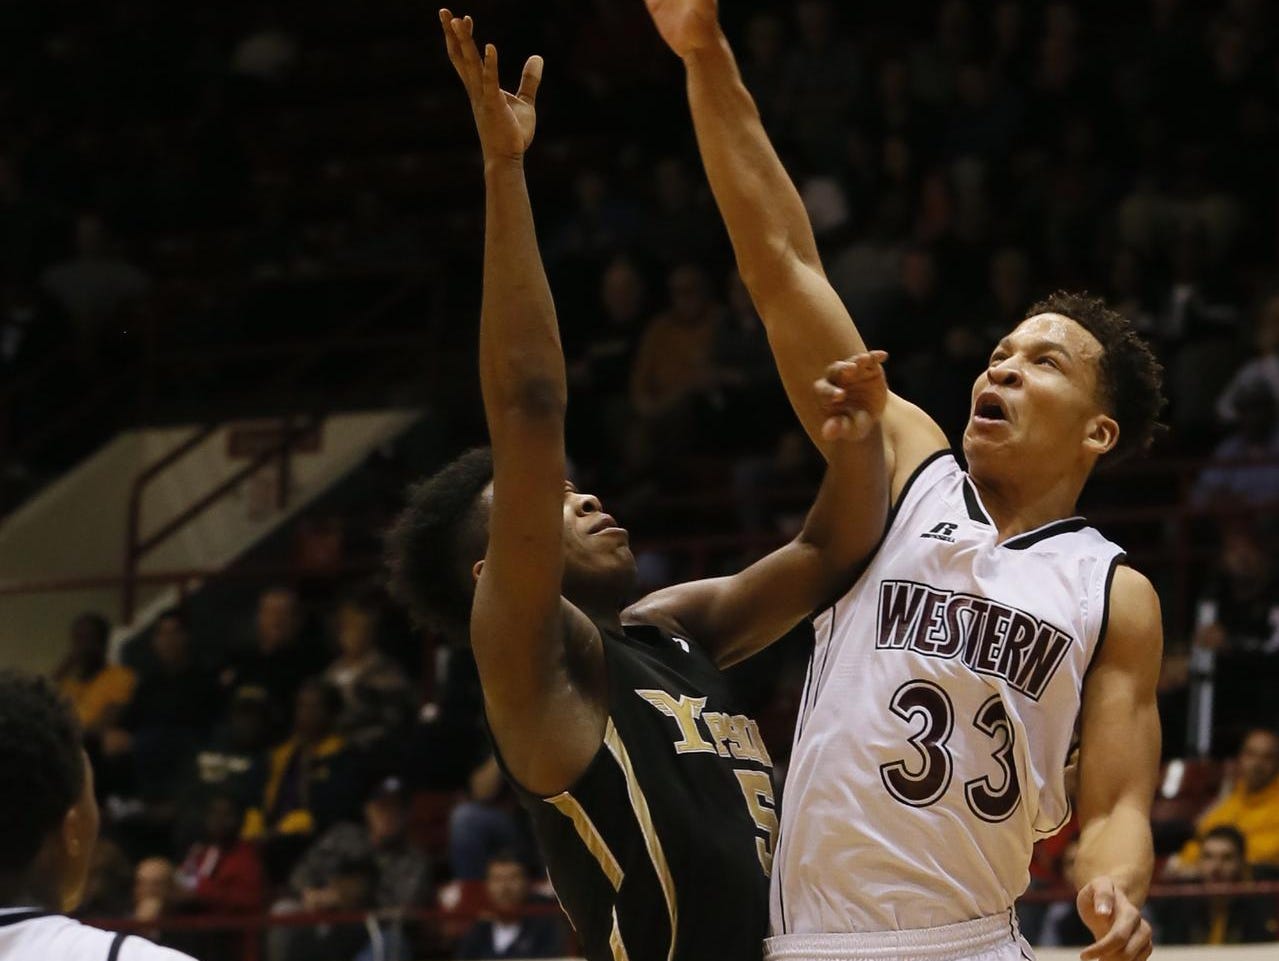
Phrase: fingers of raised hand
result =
(459, 36)
(859, 367)
(530, 80)
(492, 85)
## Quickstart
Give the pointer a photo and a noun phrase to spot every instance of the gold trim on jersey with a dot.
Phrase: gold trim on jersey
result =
(567, 805)
(639, 803)
(615, 940)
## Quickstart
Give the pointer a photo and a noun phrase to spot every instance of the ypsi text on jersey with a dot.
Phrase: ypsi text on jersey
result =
(989, 637)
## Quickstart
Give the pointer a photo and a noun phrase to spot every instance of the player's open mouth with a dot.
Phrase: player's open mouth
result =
(989, 408)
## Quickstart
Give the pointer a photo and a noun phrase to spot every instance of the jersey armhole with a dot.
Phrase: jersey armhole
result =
(525, 793)
(1108, 581)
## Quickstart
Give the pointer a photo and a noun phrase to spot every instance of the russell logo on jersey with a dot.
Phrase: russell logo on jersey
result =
(942, 532)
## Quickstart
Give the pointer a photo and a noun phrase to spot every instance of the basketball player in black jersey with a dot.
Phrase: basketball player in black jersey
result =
(650, 792)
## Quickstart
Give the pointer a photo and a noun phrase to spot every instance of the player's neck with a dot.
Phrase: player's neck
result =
(605, 616)
(31, 890)
(1018, 508)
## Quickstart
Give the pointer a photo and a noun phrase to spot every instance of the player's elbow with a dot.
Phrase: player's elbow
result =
(771, 265)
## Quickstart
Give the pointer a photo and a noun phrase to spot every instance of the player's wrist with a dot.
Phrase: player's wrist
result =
(714, 52)
(498, 164)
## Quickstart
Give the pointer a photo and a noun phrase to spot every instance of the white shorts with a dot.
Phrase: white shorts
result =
(986, 939)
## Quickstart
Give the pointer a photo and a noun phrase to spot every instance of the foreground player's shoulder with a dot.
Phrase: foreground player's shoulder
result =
(1134, 624)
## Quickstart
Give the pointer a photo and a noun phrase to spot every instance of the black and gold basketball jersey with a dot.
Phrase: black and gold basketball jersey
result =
(661, 851)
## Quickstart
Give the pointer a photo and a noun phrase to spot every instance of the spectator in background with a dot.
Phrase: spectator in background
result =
(232, 762)
(507, 932)
(404, 873)
(31, 327)
(599, 363)
(170, 713)
(153, 892)
(1219, 919)
(95, 285)
(266, 53)
(350, 889)
(221, 874)
(310, 780)
(283, 652)
(1252, 808)
(744, 377)
(99, 691)
(480, 825)
(674, 370)
(601, 221)
(822, 77)
(1245, 468)
(1244, 600)
(377, 696)
(680, 226)
(1239, 622)
(1262, 370)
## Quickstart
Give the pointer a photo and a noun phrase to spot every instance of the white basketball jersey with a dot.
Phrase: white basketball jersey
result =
(937, 716)
(27, 935)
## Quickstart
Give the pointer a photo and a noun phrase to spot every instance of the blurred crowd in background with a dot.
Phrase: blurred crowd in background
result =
(182, 185)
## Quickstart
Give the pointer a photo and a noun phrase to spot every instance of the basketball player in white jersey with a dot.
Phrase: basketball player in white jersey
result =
(946, 684)
(48, 829)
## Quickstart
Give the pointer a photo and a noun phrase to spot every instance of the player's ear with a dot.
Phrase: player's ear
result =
(1103, 434)
(475, 571)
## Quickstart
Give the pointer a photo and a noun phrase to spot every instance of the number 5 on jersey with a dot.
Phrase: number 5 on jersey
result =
(923, 783)
(757, 788)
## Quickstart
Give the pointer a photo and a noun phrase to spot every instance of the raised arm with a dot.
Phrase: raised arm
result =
(735, 617)
(546, 726)
(776, 251)
(1118, 772)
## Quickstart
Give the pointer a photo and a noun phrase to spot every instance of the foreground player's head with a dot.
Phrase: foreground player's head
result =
(436, 548)
(48, 816)
(1071, 385)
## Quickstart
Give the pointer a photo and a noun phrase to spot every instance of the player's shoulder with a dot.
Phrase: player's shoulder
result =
(63, 937)
(1134, 623)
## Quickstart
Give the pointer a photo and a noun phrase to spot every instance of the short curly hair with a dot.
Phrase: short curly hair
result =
(438, 537)
(41, 767)
(1130, 376)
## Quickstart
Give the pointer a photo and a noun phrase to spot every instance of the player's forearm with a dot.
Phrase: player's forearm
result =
(521, 361)
(1119, 846)
(762, 210)
(851, 508)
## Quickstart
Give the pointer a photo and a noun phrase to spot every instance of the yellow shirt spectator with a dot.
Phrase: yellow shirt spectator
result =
(1252, 806)
(98, 697)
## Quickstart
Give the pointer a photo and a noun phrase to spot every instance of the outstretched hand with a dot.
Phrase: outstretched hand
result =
(686, 25)
(505, 121)
(1121, 933)
(853, 395)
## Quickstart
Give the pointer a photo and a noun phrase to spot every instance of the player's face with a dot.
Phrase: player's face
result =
(1037, 405)
(597, 551)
